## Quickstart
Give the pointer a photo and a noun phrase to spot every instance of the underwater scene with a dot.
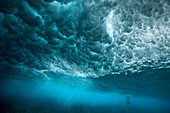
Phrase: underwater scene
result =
(84, 56)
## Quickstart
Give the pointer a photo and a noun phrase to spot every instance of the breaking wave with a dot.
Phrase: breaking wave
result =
(86, 38)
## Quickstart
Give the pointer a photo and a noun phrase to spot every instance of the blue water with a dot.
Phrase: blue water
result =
(51, 97)
(81, 95)
(84, 56)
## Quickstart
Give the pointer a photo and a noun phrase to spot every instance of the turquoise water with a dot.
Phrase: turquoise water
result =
(85, 56)
(82, 95)
(23, 96)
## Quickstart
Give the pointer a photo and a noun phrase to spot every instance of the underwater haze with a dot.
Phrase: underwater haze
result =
(85, 56)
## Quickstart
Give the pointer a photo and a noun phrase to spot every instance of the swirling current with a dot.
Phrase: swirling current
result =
(86, 38)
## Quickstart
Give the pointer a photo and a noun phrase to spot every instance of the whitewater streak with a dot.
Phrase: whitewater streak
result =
(86, 38)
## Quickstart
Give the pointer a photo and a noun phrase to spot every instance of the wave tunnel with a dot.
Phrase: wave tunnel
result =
(84, 56)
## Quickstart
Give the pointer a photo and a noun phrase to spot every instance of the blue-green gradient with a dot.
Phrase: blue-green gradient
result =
(80, 56)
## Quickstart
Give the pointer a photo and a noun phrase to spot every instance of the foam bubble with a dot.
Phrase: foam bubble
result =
(85, 38)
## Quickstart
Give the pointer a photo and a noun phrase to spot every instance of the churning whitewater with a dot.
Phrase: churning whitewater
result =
(86, 38)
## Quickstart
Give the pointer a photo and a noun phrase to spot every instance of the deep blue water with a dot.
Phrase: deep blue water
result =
(84, 56)
(81, 95)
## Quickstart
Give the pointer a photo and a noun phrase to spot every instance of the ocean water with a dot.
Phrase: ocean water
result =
(83, 95)
(84, 56)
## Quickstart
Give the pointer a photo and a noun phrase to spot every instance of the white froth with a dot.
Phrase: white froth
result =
(109, 26)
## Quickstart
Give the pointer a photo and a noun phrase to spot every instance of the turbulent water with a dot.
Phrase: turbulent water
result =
(118, 46)
(89, 38)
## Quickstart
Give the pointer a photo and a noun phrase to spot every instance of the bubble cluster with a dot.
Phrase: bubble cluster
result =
(141, 35)
(87, 38)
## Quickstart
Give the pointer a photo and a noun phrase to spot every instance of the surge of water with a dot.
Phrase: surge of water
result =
(85, 56)
(87, 38)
